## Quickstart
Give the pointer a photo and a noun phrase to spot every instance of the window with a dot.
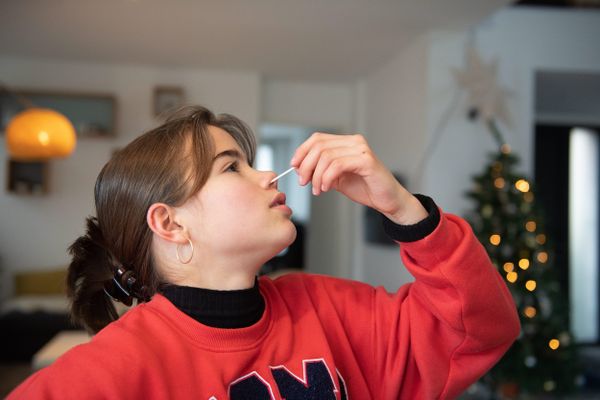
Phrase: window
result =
(583, 233)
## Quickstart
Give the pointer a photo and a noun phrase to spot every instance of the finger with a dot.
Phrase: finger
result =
(305, 147)
(306, 168)
(342, 165)
(325, 159)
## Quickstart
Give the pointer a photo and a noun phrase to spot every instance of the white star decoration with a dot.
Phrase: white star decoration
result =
(485, 95)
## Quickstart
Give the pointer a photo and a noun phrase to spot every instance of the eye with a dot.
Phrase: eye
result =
(233, 167)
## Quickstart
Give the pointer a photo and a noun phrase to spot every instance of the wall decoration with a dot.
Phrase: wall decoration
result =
(27, 178)
(92, 115)
(167, 98)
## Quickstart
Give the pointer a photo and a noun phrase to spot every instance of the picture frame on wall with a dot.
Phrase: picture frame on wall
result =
(27, 178)
(166, 99)
(92, 114)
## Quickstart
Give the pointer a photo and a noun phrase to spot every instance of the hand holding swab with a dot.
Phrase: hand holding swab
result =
(282, 174)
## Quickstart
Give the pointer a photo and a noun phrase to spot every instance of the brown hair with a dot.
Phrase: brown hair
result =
(158, 166)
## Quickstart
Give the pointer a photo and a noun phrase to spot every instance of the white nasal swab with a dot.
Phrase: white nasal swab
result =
(282, 175)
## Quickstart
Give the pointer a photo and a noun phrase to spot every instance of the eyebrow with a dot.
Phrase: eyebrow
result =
(229, 153)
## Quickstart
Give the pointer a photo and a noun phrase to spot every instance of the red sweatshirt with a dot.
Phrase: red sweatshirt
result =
(319, 338)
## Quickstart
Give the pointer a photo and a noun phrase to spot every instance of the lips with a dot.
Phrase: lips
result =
(279, 199)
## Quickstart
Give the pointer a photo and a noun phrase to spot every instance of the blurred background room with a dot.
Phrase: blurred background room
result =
(490, 107)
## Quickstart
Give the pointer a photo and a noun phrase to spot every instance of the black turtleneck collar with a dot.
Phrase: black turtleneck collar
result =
(218, 308)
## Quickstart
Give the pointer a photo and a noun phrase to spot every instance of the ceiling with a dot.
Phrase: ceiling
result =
(292, 39)
(583, 4)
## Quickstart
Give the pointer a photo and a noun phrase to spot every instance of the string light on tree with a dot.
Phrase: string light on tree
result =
(541, 238)
(554, 344)
(530, 312)
(523, 264)
(530, 226)
(495, 239)
(522, 185)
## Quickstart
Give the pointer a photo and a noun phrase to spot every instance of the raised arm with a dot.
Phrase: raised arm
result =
(436, 336)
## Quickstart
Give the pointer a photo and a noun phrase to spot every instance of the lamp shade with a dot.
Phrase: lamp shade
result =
(38, 134)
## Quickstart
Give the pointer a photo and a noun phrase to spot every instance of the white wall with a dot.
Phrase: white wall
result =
(318, 104)
(36, 231)
(394, 125)
(522, 40)
(408, 99)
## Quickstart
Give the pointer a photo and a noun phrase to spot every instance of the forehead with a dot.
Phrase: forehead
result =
(222, 140)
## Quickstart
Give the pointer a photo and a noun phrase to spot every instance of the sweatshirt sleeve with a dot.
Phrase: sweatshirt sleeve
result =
(455, 321)
(435, 336)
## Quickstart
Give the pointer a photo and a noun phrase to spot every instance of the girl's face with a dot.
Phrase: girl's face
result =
(232, 215)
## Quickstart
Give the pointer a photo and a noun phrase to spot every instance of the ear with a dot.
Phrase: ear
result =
(161, 220)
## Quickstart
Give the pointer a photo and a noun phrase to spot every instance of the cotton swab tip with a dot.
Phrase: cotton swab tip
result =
(282, 175)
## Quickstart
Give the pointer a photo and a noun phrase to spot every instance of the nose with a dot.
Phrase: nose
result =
(266, 178)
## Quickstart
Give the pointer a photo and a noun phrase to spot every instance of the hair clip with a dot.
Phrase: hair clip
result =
(115, 290)
(123, 287)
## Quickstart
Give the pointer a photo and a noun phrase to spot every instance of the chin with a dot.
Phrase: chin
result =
(291, 235)
(285, 238)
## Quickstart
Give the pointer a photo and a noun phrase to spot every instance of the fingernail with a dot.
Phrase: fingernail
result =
(314, 191)
(293, 162)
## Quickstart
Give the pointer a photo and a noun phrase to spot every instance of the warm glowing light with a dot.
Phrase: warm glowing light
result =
(542, 257)
(541, 238)
(554, 343)
(528, 197)
(512, 277)
(530, 312)
(39, 134)
(495, 239)
(499, 183)
(530, 226)
(43, 138)
(522, 185)
(530, 285)
(523, 263)
(509, 267)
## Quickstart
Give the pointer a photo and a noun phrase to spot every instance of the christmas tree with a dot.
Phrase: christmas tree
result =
(510, 224)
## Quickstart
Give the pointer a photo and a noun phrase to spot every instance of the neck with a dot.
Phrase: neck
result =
(210, 270)
(225, 274)
(220, 280)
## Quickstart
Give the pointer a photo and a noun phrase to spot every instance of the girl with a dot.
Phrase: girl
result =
(184, 223)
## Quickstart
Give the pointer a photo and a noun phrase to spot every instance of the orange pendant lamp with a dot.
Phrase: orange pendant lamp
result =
(39, 134)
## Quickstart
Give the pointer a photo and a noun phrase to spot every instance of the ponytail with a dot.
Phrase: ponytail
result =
(90, 269)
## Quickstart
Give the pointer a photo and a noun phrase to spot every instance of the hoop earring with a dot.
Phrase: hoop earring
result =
(191, 256)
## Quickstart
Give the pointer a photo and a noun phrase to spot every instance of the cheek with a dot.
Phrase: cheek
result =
(231, 205)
